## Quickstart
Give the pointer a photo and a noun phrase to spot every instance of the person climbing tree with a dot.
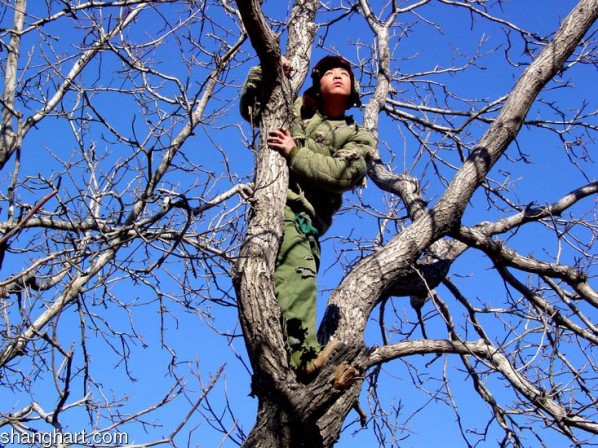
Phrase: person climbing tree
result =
(327, 154)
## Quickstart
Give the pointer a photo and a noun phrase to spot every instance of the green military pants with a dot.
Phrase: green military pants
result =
(295, 285)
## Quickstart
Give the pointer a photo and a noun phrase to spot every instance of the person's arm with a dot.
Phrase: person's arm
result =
(249, 104)
(338, 173)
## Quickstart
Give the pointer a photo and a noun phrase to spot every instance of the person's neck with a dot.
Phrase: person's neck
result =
(334, 109)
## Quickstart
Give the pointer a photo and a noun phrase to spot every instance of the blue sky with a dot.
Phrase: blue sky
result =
(200, 337)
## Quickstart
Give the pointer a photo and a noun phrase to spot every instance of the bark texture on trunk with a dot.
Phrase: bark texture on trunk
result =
(292, 414)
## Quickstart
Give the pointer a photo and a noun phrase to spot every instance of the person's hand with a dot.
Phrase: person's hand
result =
(286, 66)
(281, 141)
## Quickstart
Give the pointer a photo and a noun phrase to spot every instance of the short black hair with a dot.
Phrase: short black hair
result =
(311, 95)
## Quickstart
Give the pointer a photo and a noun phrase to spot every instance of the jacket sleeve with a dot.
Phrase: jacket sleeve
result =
(249, 104)
(342, 171)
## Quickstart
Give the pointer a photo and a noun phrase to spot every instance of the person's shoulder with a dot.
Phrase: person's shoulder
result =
(354, 123)
(297, 106)
(254, 76)
(362, 135)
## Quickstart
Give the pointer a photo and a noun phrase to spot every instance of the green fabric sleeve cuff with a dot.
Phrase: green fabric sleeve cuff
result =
(292, 154)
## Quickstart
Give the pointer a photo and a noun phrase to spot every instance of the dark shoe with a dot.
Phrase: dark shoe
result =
(346, 375)
(311, 370)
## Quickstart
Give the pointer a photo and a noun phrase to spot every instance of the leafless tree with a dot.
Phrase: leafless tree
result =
(132, 225)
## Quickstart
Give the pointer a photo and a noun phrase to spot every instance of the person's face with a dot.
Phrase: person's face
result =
(335, 82)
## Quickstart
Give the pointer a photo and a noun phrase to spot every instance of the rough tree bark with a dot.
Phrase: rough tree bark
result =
(279, 423)
(296, 415)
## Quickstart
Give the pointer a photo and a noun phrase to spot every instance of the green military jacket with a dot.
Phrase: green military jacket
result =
(329, 159)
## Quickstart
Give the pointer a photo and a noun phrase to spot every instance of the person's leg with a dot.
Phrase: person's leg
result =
(296, 289)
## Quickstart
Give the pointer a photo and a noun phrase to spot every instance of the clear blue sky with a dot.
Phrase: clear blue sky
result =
(198, 337)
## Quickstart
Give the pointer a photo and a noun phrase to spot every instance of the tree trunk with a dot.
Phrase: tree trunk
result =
(306, 416)
(292, 414)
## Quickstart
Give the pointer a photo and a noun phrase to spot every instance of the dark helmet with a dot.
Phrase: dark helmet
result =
(325, 64)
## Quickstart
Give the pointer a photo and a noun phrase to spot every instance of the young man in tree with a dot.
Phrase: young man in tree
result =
(326, 152)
